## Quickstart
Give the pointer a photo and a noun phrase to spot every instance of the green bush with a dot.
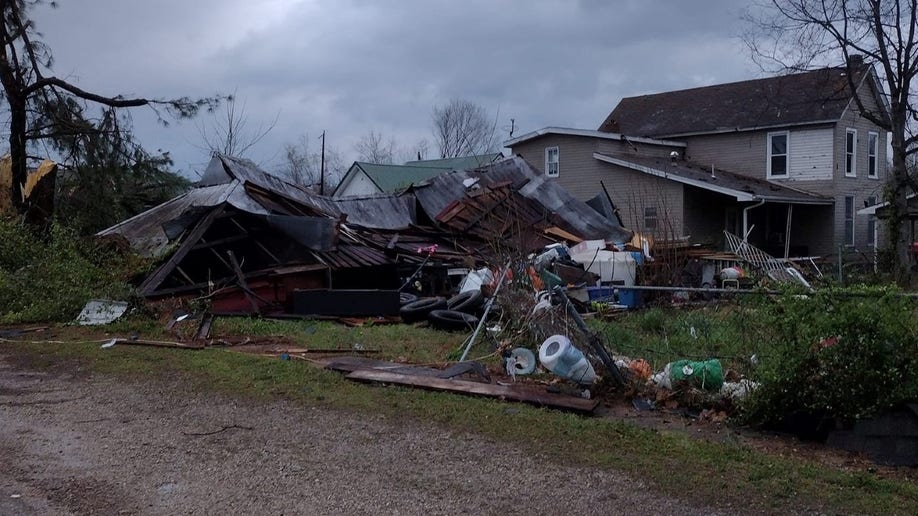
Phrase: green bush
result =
(835, 355)
(50, 276)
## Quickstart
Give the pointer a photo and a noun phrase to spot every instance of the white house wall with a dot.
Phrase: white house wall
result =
(358, 184)
(811, 154)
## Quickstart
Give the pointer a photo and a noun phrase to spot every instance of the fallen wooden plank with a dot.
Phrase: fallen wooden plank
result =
(348, 364)
(158, 344)
(507, 392)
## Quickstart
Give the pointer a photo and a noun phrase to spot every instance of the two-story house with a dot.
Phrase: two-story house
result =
(786, 161)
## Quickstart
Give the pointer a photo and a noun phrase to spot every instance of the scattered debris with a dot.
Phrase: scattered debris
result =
(522, 361)
(101, 311)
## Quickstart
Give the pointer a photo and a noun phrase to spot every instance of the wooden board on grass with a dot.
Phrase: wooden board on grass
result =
(508, 392)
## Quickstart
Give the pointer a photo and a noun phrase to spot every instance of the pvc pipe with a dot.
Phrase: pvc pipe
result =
(746, 217)
(484, 316)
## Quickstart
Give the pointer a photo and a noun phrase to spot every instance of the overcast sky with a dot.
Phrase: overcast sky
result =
(351, 66)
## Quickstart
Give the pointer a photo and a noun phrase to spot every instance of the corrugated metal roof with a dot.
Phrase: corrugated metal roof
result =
(146, 232)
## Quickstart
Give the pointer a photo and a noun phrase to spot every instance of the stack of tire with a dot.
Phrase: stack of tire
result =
(457, 313)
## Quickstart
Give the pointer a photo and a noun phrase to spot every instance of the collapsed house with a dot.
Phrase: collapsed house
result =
(250, 240)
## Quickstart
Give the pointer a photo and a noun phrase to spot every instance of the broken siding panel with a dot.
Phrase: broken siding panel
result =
(810, 154)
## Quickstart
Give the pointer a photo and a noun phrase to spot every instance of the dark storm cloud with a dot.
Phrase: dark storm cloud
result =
(353, 66)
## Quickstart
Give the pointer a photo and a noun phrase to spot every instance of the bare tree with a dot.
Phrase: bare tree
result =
(798, 34)
(44, 107)
(229, 133)
(374, 148)
(302, 165)
(462, 128)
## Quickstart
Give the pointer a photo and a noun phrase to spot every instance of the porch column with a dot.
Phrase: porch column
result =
(790, 214)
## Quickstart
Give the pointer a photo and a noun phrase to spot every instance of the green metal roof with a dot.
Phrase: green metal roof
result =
(463, 163)
(392, 178)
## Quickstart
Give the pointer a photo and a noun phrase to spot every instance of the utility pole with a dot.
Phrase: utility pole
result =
(322, 168)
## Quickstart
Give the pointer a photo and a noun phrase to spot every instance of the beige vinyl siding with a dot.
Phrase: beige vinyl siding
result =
(861, 186)
(811, 154)
(631, 191)
(740, 152)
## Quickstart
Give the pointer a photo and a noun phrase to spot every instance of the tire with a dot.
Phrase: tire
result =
(404, 298)
(452, 320)
(418, 310)
(468, 302)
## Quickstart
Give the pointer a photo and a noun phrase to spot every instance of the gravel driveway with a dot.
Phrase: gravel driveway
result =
(91, 444)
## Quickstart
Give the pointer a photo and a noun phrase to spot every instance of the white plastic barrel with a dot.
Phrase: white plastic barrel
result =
(559, 356)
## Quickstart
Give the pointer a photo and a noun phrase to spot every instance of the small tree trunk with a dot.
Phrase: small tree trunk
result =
(898, 205)
(18, 165)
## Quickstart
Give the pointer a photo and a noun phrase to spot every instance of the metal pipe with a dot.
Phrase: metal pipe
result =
(738, 291)
(484, 316)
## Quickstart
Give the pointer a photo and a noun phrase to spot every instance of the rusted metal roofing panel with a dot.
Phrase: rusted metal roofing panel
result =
(441, 191)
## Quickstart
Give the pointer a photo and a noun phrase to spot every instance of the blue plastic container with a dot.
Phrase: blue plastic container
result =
(630, 298)
(596, 293)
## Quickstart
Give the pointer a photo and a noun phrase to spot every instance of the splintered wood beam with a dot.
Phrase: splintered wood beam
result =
(240, 277)
(508, 392)
(184, 275)
(265, 249)
(154, 280)
(220, 257)
(219, 241)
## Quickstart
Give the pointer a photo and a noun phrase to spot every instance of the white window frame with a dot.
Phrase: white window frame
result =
(557, 162)
(849, 223)
(871, 225)
(853, 153)
(873, 155)
(786, 154)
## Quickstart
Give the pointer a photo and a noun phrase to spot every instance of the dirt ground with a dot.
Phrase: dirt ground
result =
(72, 443)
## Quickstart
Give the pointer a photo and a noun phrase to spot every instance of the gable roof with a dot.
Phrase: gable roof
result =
(818, 96)
(461, 163)
(391, 178)
(742, 188)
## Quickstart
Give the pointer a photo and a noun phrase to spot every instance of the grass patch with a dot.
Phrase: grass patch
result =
(421, 345)
(662, 335)
(676, 464)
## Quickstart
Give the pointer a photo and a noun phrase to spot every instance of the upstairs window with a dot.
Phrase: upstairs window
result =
(650, 217)
(777, 154)
(849, 220)
(552, 162)
(851, 152)
(873, 147)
